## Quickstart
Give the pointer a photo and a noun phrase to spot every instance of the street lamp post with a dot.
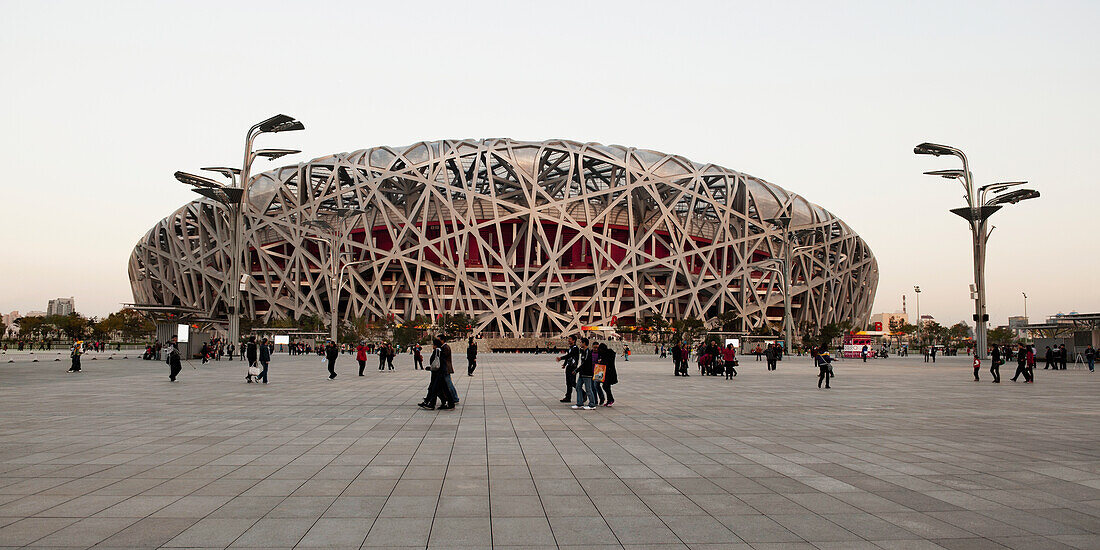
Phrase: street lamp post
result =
(1025, 305)
(233, 197)
(976, 213)
(784, 223)
(335, 233)
(275, 124)
(917, 290)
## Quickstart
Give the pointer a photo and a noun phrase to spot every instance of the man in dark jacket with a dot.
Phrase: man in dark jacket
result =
(675, 359)
(331, 353)
(571, 358)
(611, 377)
(471, 357)
(173, 358)
(441, 368)
(252, 354)
(995, 364)
(265, 358)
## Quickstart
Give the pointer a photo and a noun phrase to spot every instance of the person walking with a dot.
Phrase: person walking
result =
(571, 360)
(471, 357)
(1031, 364)
(1063, 356)
(1090, 357)
(995, 364)
(977, 366)
(610, 377)
(418, 357)
(74, 354)
(864, 353)
(173, 360)
(769, 357)
(824, 367)
(390, 353)
(675, 359)
(685, 355)
(441, 367)
(331, 353)
(1049, 357)
(265, 359)
(584, 379)
(251, 352)
(382, 356)
(361, 355)
(729, 358)
(597, 385)
(1021, 364)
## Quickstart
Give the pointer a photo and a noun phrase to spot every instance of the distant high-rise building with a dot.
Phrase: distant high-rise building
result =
(61, 306)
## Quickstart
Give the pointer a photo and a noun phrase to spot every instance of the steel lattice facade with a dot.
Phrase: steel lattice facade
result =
(528, 237)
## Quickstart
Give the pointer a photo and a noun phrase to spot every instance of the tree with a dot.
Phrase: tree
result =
(72, 325)
(958, 332)
(3, 329)
(687, 330)
(1000, 336)
(30, 327)
(934, 332)
(457, 325)
(412, 331)
(656, 325)
(622, 326)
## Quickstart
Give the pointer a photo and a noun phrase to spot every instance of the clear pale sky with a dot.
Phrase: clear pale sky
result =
(102, 101)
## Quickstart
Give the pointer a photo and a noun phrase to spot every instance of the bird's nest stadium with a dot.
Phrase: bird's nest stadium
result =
(529, 238)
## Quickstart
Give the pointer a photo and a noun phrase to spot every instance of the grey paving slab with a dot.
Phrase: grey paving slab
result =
(897, 455)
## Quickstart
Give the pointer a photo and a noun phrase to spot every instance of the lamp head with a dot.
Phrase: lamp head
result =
(227, 172)
(933, 149)
(272, 154)
(280, 123)
(781, 221)
(948, 174)
(1013, 197)
(197, 181)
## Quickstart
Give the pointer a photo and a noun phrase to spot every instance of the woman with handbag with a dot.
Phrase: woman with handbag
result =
(610, 377)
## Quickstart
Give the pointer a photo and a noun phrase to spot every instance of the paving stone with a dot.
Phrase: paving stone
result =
(898, 454)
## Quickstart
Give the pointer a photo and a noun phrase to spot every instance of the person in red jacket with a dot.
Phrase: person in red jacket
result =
(361, 355)
(729, 357)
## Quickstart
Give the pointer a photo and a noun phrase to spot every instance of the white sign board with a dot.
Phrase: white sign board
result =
(282, 339)
(182, 332)
(735, 341)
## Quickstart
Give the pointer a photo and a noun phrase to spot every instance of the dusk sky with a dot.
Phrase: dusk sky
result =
(103, 101)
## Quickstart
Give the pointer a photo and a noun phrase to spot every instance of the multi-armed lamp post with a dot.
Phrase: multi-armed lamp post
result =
(784, 223)
(234, 197)
(977, 211)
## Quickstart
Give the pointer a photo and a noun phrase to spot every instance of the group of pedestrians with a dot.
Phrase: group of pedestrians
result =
(1057, 357)
(591, 372)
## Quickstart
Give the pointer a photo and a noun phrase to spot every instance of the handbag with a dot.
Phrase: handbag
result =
(599, 372)
(253, 370)
(434, 362)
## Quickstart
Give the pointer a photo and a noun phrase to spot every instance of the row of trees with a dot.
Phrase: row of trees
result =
(403, 333)
(128, 324)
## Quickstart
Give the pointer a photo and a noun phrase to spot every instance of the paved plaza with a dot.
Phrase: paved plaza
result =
(898, 455)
